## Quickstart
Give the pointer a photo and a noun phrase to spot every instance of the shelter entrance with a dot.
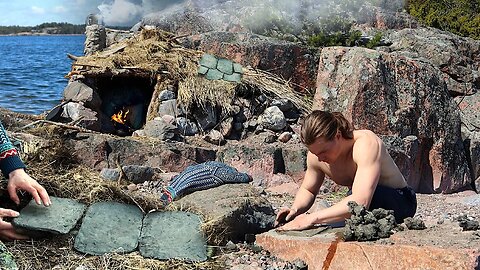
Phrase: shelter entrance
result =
(125, 100)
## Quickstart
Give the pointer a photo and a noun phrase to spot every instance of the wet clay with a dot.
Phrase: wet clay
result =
(366, 225)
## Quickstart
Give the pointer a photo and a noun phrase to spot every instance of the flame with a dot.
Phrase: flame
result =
(120, 117)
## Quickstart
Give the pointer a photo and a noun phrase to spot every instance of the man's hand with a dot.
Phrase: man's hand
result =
(285, 215)
(7, 232)
(20, 180)
(301, 222)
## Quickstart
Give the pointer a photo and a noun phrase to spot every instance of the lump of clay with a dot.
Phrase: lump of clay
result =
(366, 225)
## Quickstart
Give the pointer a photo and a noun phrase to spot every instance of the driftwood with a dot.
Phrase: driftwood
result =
(67, 126)
(72, 57)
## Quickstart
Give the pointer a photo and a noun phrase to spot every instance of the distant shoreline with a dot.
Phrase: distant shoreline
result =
(38, 34)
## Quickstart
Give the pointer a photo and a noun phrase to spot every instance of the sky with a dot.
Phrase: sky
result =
(114, 12)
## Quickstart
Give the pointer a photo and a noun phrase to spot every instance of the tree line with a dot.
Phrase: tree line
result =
(51, 28)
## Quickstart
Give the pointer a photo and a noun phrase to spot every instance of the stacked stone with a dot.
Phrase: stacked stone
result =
(214, 68)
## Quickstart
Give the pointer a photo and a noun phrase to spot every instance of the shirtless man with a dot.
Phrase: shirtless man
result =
(357, 159)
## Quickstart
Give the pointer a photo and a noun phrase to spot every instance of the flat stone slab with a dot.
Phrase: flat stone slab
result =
(60, 217)
(173, 235)
(325, 251)
(109, 227)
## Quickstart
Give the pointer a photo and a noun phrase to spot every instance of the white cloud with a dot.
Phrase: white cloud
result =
(59, 9)
(120, 12)
(38, 10)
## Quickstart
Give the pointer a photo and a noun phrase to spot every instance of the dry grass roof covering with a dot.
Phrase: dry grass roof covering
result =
(150, 52)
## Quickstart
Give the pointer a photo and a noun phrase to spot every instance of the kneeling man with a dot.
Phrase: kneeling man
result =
(357, 159)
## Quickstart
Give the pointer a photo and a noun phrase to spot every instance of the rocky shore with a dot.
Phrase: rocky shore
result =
(190, 85)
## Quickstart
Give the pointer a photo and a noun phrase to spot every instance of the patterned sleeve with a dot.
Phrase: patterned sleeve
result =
(9, 158)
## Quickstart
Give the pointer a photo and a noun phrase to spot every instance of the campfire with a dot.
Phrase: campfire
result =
(121, 122)
(120, 117)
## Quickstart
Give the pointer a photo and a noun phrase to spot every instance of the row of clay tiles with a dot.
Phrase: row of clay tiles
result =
(117, 227)
(214, 68)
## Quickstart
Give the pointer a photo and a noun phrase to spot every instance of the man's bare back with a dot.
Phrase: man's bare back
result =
(343, 170)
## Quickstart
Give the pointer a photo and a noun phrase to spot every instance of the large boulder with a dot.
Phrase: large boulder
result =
(230, 211)
(394, 95)
(100, 151)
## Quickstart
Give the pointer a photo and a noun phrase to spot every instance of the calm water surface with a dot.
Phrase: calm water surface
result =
(32, 70)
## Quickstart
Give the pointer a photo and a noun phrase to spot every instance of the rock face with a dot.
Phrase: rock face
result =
(288, 60)
(394, 95)
(455, 56)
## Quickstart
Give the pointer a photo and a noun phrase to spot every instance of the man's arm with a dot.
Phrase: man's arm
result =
(307, 192)
(311, 184)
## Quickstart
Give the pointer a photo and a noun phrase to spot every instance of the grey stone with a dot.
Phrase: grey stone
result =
(225, 66)
(209, 61)
(159, 129)
(95, 39)
(283, 104)
(414, 223)
(110, 174)
(109, 227)
(235, 77)
(168, 107)
(237, 68)
(273, 119)
(173, 235)
(75, 111)
(285, 137)
(166, 95)
(473, 200)
(214, 137)
(80, 92)
(202, 70)
(186, 127)
(6, 259)
(59, 218)
(214, 74)
(138, 174)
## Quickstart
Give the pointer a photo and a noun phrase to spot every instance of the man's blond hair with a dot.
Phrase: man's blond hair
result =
(324, 124)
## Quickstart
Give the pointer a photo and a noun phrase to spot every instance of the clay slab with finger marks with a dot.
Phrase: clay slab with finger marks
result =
(59, 218)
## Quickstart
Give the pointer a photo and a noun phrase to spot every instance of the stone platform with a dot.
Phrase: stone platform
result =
(403, 250)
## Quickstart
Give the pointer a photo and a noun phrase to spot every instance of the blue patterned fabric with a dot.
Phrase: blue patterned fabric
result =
(9, 159)
(202, 176)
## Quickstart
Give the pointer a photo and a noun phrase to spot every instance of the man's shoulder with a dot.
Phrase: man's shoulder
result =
(366, 143)
(365, 136)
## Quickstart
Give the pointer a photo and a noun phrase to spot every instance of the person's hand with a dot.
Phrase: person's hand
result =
(7, 232)
(20, 180)
(301, 222)
(285, 215)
